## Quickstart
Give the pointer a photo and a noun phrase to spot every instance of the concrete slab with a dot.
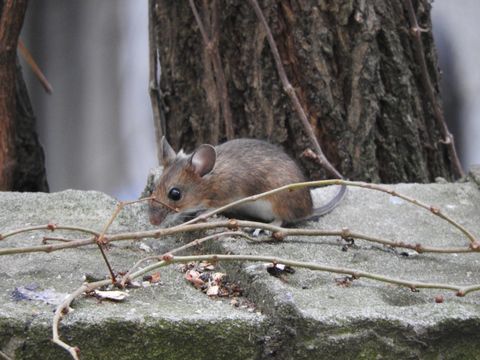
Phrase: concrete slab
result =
(372, 320)
(306, 315)
(172, 320)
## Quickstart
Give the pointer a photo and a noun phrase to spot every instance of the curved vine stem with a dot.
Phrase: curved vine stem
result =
(62, 309)
(288, 88)
(194, 225)
(355, 274)
(419, 52)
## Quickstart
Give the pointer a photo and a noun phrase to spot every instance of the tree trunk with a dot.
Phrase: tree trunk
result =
(30, 173)
(11, 20)
(352, 64)
(21, 156)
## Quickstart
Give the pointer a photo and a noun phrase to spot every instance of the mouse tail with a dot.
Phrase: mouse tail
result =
(322, 210)
(332, 204)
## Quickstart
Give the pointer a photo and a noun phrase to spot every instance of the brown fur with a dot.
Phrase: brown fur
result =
(243, 167)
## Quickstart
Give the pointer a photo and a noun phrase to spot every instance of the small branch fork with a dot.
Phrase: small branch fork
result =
(211, 46)
(62, 309)
(102, 240)
(419, 52)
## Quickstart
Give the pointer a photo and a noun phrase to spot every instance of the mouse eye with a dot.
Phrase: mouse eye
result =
(174, 194)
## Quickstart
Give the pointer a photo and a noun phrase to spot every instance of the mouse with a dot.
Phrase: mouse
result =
(214, 176)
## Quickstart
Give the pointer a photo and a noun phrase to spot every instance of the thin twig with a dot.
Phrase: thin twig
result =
(34, 66)
(154, 87)
(355, 274)
(118, 208)
(284, 232)
(168, 206)
(419, 52)
(63, 309)
(51, 227)
(212, 50)
(252, 198)
(195, 242)
(434, 210)
(46, 239)
(193, 226)
(102, 240)
(47, 248)
(321, 158)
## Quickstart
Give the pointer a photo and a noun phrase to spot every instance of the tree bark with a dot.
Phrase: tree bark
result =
(30, 173)
(11, 20)
(21, 156)
(352, 64)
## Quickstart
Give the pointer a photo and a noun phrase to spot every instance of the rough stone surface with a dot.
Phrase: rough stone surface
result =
(170, 321)
(306, 315)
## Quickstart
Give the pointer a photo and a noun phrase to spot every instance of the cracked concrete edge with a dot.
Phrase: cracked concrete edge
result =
(132, 340)
(450, 334)
(172, 320)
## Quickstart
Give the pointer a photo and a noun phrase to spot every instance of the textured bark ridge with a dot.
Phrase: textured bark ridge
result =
(30, 174)
(22, 163)
(11, 20)
(351, 63)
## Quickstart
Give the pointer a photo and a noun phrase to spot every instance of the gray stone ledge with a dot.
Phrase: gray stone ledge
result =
(306, 316)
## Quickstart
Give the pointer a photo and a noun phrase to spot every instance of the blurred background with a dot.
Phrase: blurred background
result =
(97, 129)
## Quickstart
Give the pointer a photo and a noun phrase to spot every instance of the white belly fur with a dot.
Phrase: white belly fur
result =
(260, 209)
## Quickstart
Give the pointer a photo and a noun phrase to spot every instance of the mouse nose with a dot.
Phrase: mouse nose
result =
(157, 213)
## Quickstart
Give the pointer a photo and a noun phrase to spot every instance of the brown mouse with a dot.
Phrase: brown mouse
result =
(211, 177)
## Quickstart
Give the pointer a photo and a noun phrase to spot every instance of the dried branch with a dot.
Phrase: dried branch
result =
(355, 274)
(196, 242)
(101, 241)
(419, 52)
(278, 231)
(46, 239)
(154, 87)
(211, 47)
(321, 158)
(35, 68)
(62, 309)
(47, 248)
(434, 210)
(51, 227)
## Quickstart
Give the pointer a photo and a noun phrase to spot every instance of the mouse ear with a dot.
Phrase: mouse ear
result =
(203, 159)
(167, 154)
